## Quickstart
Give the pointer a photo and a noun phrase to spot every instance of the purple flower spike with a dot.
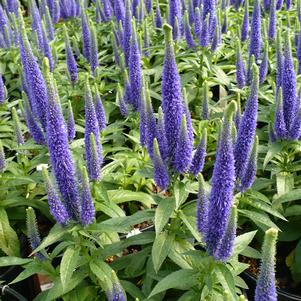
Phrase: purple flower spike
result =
(188, 35)
(143, 120)
(250, 173)
(49, 25)
(266, 282)
(116, 294)
(279, 124)
(198, 160)
(172, 101)
(107, 9)
(119, 10)
(237, 116)
(71, 63)
(46, 48)
(272, 20)
(17, 127)
(188, 116)
(298, 53)
(295, 130)
(240, 68)
(135, 70)
(115, 50)
(161, 135)
(191, 12)
(86, 35)
(93, 150)
(216, 38)
(289, 84)
(255, 36)
(183, 154)
(135, 4)
(33, 127)
(127, 32)
(2, 158)
(221, 196)
(225, 249)
(151, 128)
(100, 111)
(37, 92)
(205, 34)
(161, 176)
(266, 5)
(272, 135)
(33, 232)
(247, 128)
(148, 6)
(56, 13)
(288, 4)
(263, 69)
(70, 123)
(209, 9)
(175, 13)
(57, 208)
(279, 56)
(202, 207)
(198, 24)
(225, 23)
(36, 23)
(2, 90)
(205, 102)
(60, 155)
(93, 50)
(279, 4)
(88, 210)
(158, 15)
(120, 101)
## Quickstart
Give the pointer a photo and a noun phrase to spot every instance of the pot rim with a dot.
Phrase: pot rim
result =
(280, 292)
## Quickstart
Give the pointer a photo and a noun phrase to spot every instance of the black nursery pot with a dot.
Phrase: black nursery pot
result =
(282, 295)
(23, 290)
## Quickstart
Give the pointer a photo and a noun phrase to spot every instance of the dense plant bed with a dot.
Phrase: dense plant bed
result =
(150, 150)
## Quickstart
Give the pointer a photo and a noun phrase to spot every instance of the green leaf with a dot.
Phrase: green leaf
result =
(133, 290)
(102, 271)
(9, 242)
(263, 206)
(290, 196)
(180, 193)
(163, 213)
(226, 279)
(274, 149)
(68, 265)
(251, 252)
(123, 196)
(122, 224)
(257, 195)
(182, 279)
(294, 210)
(191, 225)
(10, 260)
(189, 296)
(55, 234)
(57, 290)
(260, 218)
(161, 247)
(32, 268)
(285, 182)
(242, 241)
(177, 253)
(290, 231)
